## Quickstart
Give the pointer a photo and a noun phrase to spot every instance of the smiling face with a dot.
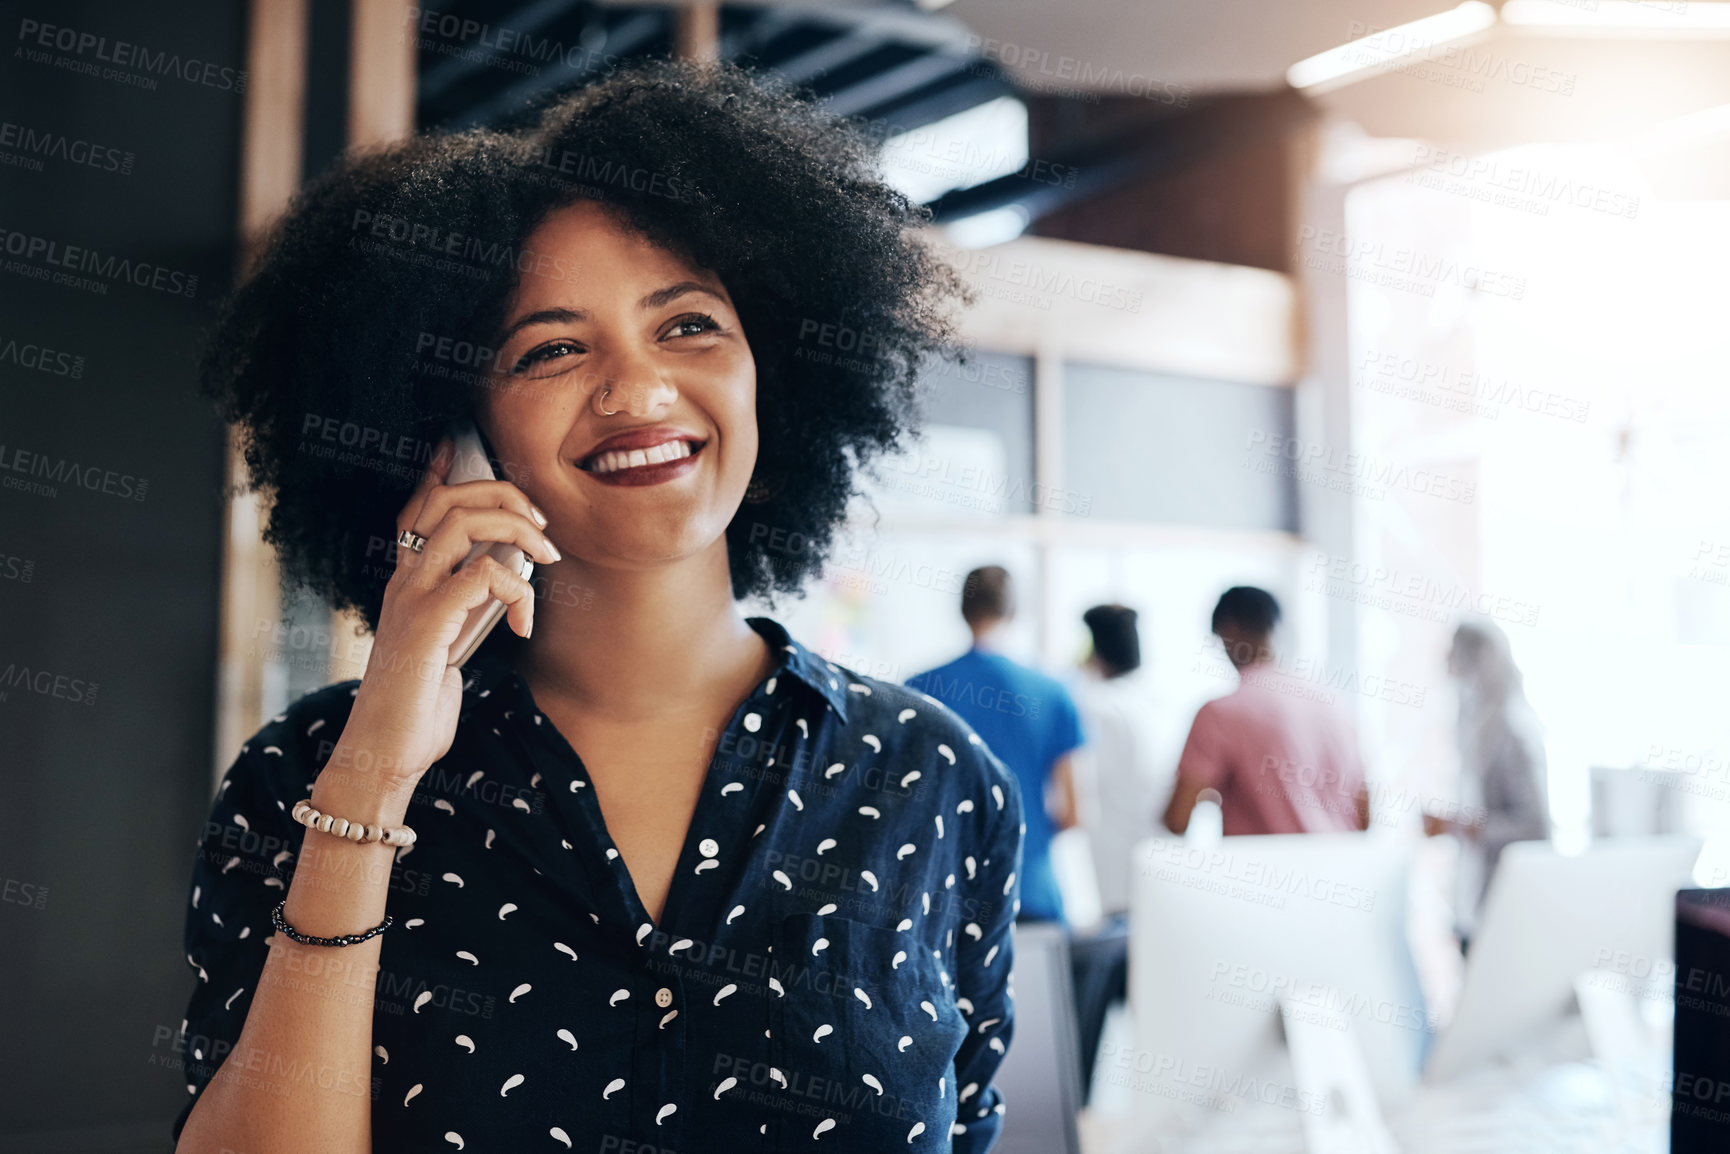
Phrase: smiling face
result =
(624, 396)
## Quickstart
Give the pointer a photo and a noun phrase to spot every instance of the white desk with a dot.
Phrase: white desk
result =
(1551, 1100)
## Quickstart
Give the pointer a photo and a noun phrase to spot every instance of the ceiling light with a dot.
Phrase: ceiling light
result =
(1389, 46)
(971, 147)
(1650, 17)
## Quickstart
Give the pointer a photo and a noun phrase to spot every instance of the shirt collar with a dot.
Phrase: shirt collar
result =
(811, 670)
(490, 675)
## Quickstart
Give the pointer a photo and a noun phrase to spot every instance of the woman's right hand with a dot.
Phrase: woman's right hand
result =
(405, 712)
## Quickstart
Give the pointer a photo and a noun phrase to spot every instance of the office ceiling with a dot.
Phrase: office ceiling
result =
(1210, 45)
(1522, 84)
(906, 64)
(490, 61)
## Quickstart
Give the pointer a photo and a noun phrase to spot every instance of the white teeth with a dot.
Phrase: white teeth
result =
(618, 459)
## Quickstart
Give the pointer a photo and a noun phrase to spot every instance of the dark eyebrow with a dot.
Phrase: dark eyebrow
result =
(543, 317)
(661, 297)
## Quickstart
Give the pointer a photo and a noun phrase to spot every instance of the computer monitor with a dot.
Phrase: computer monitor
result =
(1700, 1073)
(1550, 918)
(1221, 935)
(1040, 1078)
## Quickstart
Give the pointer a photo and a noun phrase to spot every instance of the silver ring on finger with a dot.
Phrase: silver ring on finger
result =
(409, 539)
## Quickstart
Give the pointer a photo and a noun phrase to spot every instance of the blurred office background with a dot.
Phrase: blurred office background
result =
(1403, 310)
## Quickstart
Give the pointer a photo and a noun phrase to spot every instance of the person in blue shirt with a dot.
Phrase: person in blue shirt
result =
(1026, 718)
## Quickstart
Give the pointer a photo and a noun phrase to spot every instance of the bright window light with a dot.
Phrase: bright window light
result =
(1678, 17)
(998, 226)
(1706, 124)
(1388, 46)
(960, 151)
(1712, 867)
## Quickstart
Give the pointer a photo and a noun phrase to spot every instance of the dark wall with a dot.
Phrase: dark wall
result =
(1215, 181)
(119, 153)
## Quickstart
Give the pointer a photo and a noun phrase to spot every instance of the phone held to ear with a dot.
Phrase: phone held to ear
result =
(470, 464)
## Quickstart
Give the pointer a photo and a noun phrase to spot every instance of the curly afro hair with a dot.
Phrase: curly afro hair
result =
(372, 308)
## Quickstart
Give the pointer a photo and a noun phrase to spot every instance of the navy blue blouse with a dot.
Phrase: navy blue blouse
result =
(830, 972)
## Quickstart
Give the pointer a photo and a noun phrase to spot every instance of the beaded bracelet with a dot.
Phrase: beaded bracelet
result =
(341, 827)
(294, 935)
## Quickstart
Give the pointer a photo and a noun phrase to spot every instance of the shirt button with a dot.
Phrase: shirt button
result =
(709, 847)
(663, 997)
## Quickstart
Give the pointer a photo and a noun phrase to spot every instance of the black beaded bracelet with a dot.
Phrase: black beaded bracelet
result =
(294, 935)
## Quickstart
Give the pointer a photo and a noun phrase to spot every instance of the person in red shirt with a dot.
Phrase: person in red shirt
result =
(1280, 761)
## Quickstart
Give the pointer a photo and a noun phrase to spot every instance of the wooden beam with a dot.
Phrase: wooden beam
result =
(697, 30)
(274, 118)
(273, 130)
(381, 72)
(381, 109)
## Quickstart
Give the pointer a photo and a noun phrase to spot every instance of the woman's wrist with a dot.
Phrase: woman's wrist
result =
(365, 785)
(340, 885)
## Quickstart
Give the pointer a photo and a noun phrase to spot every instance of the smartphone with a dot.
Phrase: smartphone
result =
(471, 463)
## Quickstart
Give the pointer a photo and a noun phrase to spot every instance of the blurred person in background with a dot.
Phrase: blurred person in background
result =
(1281, 761)
(1028, 720)
(1503, 798)
(1120, 790)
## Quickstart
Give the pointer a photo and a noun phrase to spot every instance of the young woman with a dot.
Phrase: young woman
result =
(676, 882)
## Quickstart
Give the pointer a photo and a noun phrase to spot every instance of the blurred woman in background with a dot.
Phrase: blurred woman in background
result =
(1503, 798)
